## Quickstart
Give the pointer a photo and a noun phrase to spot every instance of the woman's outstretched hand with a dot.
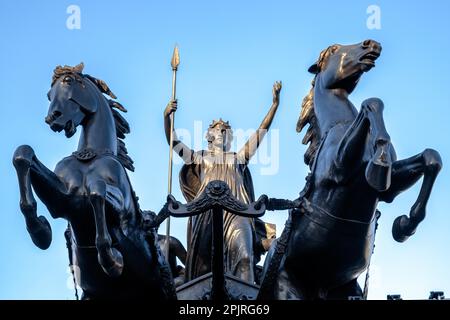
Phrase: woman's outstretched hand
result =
(276, 91)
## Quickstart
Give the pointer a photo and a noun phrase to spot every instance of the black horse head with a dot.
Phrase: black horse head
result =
(341, 66)
(337, 72)
(73, 96)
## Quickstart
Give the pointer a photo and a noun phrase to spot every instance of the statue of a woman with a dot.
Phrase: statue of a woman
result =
(243, 243)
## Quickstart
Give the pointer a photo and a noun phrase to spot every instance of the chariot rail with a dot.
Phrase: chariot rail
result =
(218, 197)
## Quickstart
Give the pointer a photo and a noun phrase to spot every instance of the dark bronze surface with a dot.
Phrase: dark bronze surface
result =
(218, 163)
(216, 198)
(329, 235)
(117, 257)
(329, 238)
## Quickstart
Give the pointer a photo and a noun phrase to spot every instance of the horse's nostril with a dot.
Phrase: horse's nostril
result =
(50, 118)
(366, 43)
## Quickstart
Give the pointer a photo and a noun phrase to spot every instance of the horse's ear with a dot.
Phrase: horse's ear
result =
(79, 68)
(314, 69)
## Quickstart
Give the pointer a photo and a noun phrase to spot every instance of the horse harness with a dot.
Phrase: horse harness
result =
(89, 154)
(303, 207)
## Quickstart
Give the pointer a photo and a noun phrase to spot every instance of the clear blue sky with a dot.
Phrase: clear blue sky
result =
(231, 53)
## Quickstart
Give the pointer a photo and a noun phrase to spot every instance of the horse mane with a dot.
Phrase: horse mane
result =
(307, 114)
(122, 125)
(312, 136)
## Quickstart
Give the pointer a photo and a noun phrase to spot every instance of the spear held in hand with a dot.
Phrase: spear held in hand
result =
(174, 63)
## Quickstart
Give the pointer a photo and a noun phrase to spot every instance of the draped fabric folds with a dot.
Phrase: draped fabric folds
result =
(242, 236)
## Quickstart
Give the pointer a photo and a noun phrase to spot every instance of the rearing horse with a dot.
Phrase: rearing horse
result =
(114, 249)
(328, 239)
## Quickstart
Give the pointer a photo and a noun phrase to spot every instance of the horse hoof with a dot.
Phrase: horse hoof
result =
(114, 267)
(400, 227)
(41, 233)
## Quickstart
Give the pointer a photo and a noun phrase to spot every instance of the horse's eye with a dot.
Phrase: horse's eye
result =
(334, 49)
(67, 79)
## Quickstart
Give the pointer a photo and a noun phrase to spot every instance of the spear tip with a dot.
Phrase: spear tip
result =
(175, 58)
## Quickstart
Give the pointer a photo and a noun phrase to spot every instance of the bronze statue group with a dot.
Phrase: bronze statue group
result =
(330, 230)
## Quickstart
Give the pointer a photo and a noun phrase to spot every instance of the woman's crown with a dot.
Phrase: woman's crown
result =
(220, 122)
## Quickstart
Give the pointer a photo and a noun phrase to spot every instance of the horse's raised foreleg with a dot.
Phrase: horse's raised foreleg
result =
(405, 173)
(353, 145)
(31, 172)
(110, 258)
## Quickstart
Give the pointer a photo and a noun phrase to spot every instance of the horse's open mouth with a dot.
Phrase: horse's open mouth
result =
(70, 129)
(369, 58)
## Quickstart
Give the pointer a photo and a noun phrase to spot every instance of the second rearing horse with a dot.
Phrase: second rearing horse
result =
(329, 239)
(114, 250)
